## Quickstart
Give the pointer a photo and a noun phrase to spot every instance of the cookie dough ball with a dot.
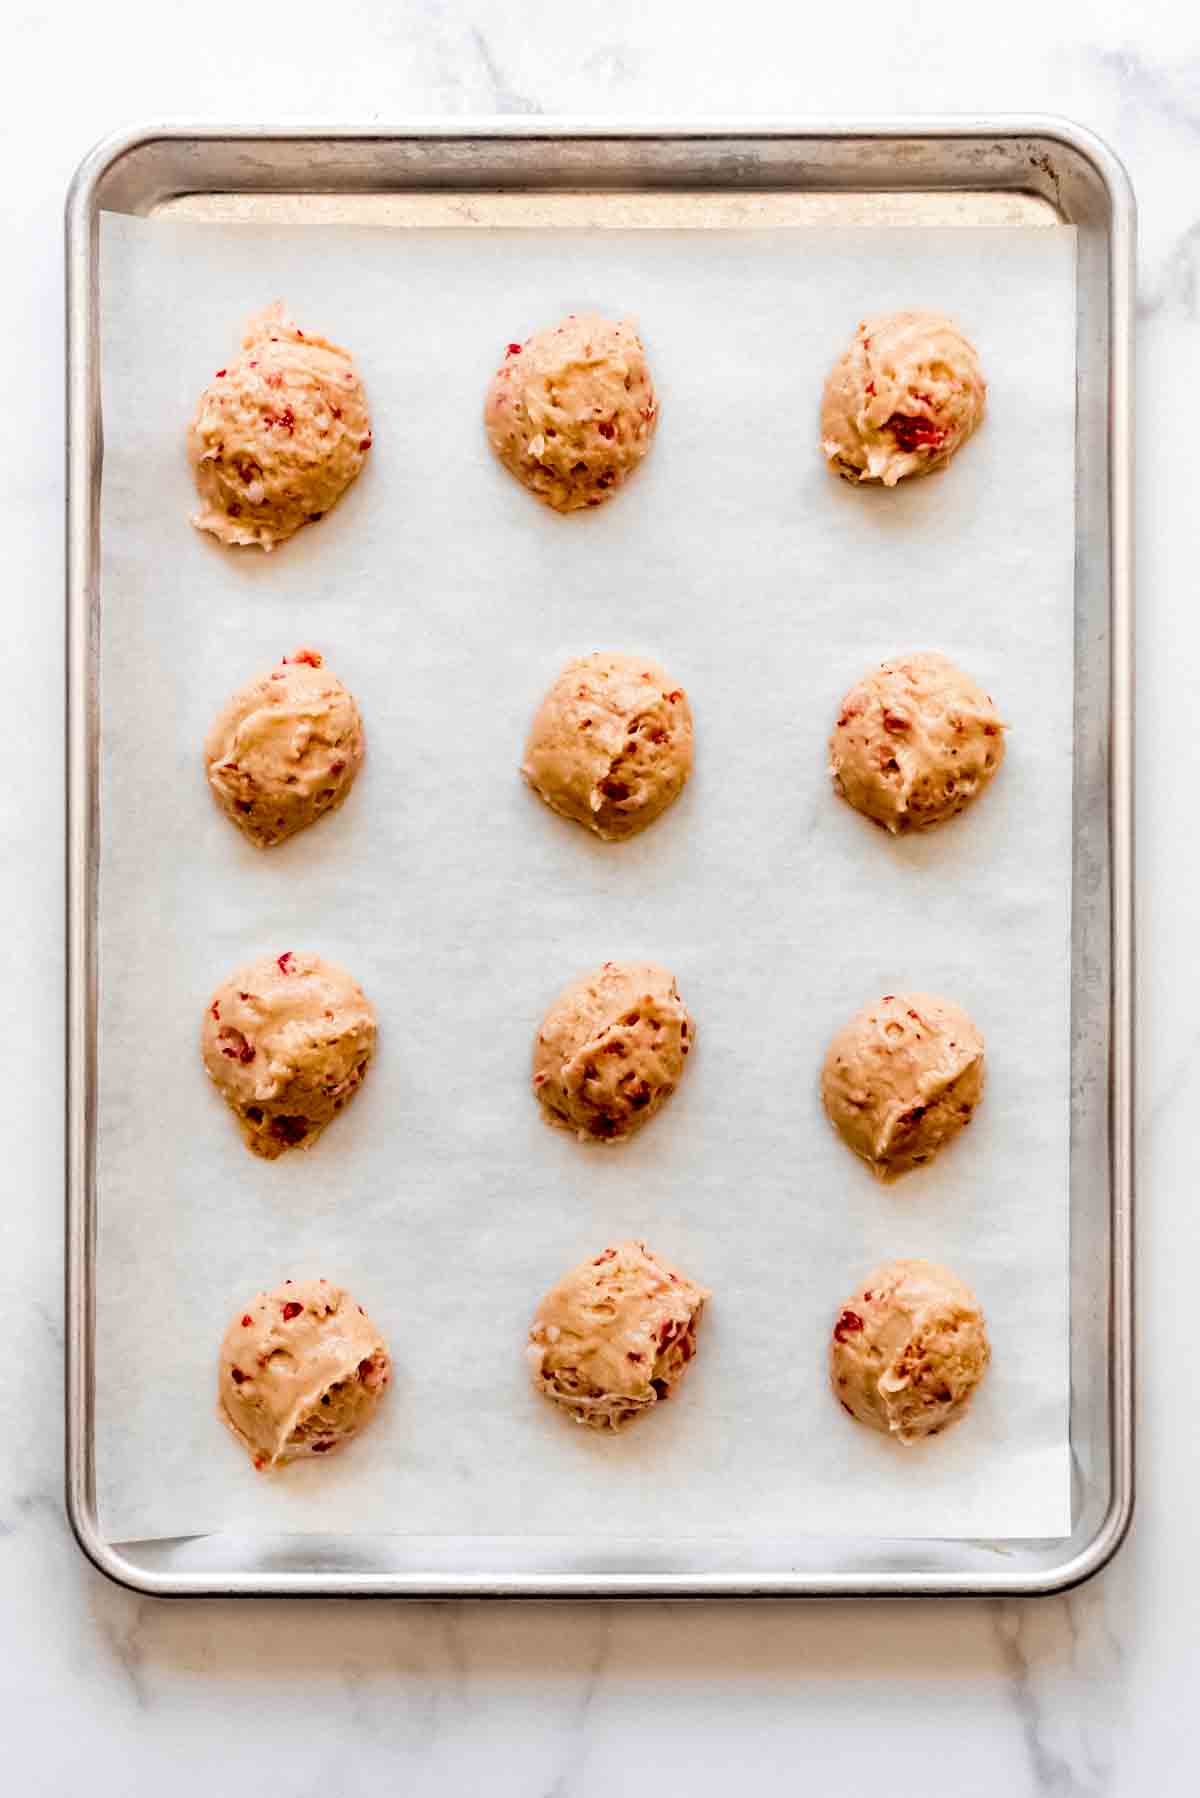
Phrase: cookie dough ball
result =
(908, 1350)
(286, 1042)
(611, 1050)
(571, 411)
(615, 1335)
(902, 1078)
(302, 1370)
(278, 435)
(610, 744)
(284, 750)
(903, 397)
(915, 742)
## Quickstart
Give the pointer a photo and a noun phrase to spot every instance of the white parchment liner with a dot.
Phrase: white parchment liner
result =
(447, 599)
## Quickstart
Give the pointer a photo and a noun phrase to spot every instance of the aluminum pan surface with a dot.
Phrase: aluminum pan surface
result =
(1071, 166)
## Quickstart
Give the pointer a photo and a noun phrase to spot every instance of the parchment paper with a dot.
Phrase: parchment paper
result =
(447, 600)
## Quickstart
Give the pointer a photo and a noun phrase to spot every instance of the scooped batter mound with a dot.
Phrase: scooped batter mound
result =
(908, 1350)
(286, 1042)
(610, 744)
(915, 742)
(615, 1335)
(902, 399)
(611, 1050)
(902, 1078)
(571, 411)
(302, 1371)
(279, 434)
(284, 750)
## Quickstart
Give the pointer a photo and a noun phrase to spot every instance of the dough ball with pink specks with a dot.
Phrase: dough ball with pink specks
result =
(571, 412)
(902, 398)
(279, 434)
(302, 1371)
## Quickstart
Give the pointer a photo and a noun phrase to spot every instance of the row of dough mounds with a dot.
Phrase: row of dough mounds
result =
(282, 431)
(610, 745)
(302, 1369)
(287, 1041)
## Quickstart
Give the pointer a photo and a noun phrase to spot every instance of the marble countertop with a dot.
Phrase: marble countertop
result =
(1084, 1694)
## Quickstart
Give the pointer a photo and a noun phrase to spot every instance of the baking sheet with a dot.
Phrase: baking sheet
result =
(447, 601)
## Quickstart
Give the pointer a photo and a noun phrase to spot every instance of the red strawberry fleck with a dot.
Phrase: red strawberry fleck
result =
(290, 1130)
(260, 1462)
(309, 657)
(848, 1324)
(215, 1009)
(366, 443)
(247, 1321)
(220, 372)
(607, 430)
(914, 433)
(238, 1376)
(336, 410)
(870, 388)
(336, 767)
(365, 1368)
(634, 1356)
(283, 960)
(608, 1255)
(320, 1448)
(292, 1309)
(514, 349)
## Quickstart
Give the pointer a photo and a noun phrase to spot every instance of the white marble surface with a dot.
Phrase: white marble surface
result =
(1088, 1694)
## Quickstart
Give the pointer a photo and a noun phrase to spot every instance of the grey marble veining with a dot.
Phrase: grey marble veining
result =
(1088, 1694)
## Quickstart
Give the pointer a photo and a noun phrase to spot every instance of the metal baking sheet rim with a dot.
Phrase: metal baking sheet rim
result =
(857, 154)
